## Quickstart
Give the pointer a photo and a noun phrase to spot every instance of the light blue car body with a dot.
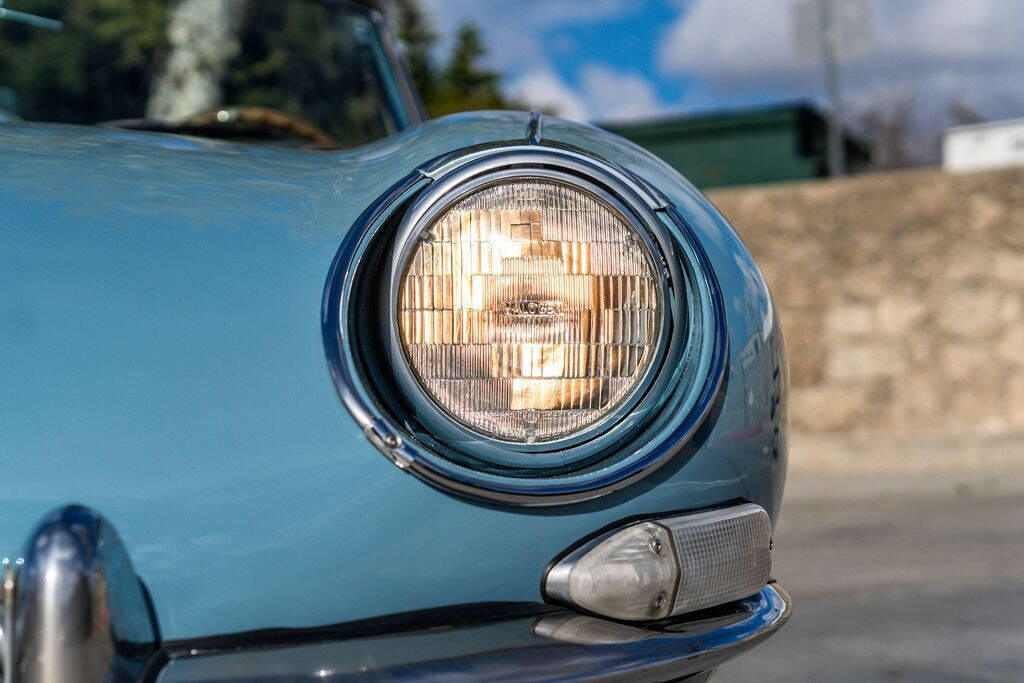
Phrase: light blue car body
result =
(162, 361)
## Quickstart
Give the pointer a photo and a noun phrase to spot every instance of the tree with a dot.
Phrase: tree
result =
(203, 41)
(887, 123)
(107, 47)
(462, 84)
(463, 72)
(416, 32)
(116, 59)
(466, 85)
(964, 114)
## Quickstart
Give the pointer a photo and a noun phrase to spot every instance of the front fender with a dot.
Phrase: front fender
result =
(162, 362)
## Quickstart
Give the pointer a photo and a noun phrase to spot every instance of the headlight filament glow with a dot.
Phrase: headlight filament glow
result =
(529, 310)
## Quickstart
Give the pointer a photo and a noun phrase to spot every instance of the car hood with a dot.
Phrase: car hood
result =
(161, 361)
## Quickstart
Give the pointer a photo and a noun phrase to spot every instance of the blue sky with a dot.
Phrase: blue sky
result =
(631, 59)
(625, 41)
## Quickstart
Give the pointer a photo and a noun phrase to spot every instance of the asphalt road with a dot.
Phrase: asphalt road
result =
(923, 582)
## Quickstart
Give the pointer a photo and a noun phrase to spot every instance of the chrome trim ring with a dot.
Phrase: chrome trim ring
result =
(678, 400)
(433, 202)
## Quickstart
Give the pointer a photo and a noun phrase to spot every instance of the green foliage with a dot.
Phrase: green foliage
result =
(301, 58)
(419, 38)
(106, 47)
(461, 84)
(103, 64)
(298, 62)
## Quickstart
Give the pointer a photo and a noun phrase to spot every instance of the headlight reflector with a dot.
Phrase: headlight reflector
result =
(529, 310)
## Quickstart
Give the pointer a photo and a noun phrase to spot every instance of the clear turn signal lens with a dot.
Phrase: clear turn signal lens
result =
(529, 310)
(631, 574)
(668, 566)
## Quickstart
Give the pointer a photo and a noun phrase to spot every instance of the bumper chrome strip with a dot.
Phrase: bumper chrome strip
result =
(550, 646)
(75, 611)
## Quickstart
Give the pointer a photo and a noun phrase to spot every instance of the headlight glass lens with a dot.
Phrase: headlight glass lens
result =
(529, 310)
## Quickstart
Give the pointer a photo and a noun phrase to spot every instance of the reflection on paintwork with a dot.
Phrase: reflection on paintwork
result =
(584, 630)
(174, 377)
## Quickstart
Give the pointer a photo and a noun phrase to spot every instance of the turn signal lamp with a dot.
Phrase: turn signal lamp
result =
(530, 310)
(667, 566)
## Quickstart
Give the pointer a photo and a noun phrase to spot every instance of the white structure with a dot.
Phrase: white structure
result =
(984, 145)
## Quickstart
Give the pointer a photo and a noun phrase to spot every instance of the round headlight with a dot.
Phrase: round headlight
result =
(525, 324)
(529, 310)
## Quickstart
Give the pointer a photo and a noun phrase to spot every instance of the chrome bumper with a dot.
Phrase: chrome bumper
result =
(530, 642)
(76, 612)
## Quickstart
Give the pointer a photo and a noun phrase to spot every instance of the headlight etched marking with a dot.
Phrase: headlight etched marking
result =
(529, 310)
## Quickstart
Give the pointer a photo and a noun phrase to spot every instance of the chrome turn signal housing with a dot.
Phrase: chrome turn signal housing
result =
(667, 566)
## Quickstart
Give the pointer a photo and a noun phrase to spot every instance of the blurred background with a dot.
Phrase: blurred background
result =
(871, 155)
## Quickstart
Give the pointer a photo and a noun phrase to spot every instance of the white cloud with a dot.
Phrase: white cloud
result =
(604, 93)
(614, 95)
(728, 41)
(510, 28)
(943, 49)
(541, 87)
(512, 32)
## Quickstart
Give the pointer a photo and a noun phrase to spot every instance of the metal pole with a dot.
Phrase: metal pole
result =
(829, 50)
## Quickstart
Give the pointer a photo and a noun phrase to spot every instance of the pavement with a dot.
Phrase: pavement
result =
(911, 572)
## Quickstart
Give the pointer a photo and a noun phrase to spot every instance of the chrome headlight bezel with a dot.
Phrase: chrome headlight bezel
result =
(566, 450)
(662, 412)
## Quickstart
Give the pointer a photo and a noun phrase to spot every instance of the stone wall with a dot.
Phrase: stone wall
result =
(901, 296)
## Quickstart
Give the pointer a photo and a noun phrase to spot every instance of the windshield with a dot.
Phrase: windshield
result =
(302, 72)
